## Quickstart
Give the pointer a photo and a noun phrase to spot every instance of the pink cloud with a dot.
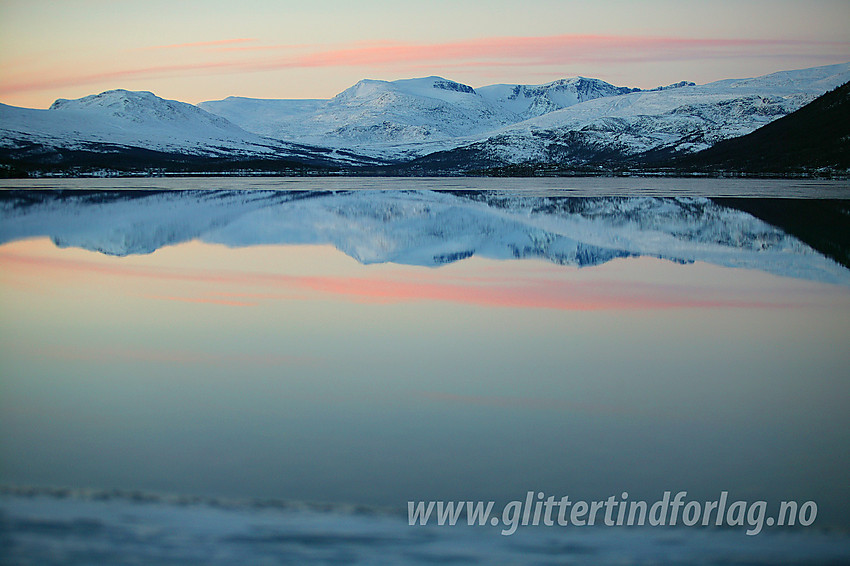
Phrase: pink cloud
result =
(529, 50)
(494, 52)
(549, 50)
(28, 85)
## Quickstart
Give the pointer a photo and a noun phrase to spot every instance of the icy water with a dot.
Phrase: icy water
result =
(216, 371)
(569, 186)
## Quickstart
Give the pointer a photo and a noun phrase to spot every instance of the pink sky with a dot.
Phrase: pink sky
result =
(194, 51)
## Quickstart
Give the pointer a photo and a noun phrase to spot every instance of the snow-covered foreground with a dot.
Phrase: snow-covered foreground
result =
(70, 527)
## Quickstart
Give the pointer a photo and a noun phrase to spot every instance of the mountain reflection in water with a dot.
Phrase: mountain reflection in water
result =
(293, 366)
(430, 228)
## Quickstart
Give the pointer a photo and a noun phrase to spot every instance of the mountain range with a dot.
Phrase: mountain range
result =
(414, 126)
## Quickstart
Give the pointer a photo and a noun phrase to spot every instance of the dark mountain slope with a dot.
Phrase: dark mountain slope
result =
(815, 136)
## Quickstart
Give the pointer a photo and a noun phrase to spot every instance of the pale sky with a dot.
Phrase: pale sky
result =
(193, 51)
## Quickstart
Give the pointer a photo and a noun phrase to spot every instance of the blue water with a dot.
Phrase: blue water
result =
(268, 372)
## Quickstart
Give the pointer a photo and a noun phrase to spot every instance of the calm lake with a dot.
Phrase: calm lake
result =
(209, 371)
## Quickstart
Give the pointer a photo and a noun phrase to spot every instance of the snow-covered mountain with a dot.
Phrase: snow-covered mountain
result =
(395, 119)
(419, 227)
(428, 125)
(669, 120)
(529, 101)
(119, 120)
(266, 117)
(570, 121)
(406, 118)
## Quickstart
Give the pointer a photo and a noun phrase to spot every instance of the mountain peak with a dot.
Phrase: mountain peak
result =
(432, 87)
(680, 84)
(106, 98)
(433, 82)
(140, 107)
(529, 101)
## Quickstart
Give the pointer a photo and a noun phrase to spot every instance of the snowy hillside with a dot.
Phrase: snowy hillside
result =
(122, 117)
(566, 121)
(436, 124)
(528, 101)
(406, 118)
(684, 119)
(392, 119)
(263, 116)
(420, 227)
(119, 119)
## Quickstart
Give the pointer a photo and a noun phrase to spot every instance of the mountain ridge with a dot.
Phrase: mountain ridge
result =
(426, 114)
(428, 125)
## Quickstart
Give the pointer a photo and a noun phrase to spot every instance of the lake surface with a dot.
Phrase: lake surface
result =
(273, 368)
(554, 186)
